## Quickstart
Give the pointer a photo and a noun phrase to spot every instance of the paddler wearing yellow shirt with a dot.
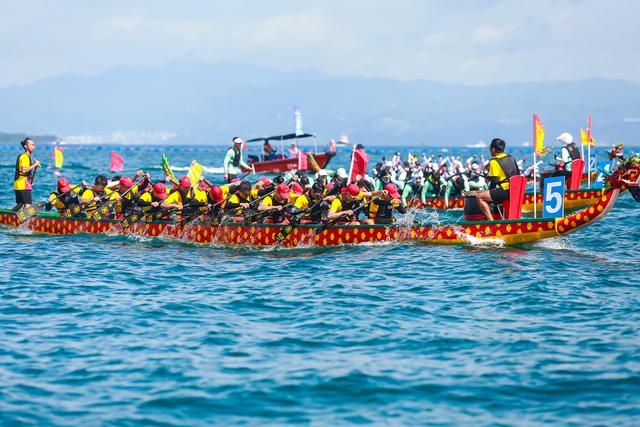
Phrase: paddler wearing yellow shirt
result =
(311, 205)
(65, 196)
(238, 204)
(350, 199)
(97, 194)
(186, 199)
(25, 168)
(274, 205)
(501, 167)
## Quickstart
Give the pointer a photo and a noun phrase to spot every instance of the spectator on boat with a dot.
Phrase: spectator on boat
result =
(381, 210)
(501, 167)
(293, 150)
(65, 197)
(268, 153)
(233, 160)
(239, 203)
(275, 203)
(23, 179)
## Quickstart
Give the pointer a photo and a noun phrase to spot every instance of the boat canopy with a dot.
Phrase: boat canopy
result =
(283, 137)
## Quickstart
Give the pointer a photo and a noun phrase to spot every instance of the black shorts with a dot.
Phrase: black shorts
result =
(23, 197)
(498, 195)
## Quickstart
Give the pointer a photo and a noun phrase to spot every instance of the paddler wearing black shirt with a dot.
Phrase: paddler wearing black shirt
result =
(381, 210)
(238, 204)
(501, 167)
(275, 203)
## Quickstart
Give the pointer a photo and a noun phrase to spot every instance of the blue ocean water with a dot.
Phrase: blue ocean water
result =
(111, 330)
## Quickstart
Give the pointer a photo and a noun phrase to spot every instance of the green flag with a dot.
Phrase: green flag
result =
(167, 169)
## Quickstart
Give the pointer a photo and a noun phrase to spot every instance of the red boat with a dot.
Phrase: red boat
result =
(303, 161)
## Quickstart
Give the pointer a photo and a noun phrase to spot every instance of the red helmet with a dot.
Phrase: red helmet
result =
(297, 188)
(283, 191)
(392, 190)
(185, 182)
(63, 185)
(265, 181)
(160, 191)
(216, 193)
(126, 181)
(352, 189)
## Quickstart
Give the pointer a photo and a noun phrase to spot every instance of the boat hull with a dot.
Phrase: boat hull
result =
(290, 164)
(496, 232)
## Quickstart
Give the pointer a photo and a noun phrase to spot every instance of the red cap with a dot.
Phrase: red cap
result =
(160, 190)
(297, 188)
(351, 189)
(283, 191)
(234, 180)
(126, 181)
(216, 193)
(265, 181)
(185, 182)
(392, 190)
(204, 185)
(63, 185)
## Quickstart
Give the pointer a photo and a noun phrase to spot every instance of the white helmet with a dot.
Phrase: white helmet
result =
(341, 173)
(565, 138)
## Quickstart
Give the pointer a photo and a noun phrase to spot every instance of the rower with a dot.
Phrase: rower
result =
(262, 187)
(127, 198)
(65, 197)
(233, 160)
(90, 197)
(501, 167)
(215, 200)
(296, 191)
(186, 199)
(344, 205)
(238, 204)
(25, 170)
(381, 210)
(433, 185)
(338, 182)
(412, 190)
(312, 202)
(275, 204)
(151, 201)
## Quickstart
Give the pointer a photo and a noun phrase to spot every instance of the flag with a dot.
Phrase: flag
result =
(538, 137)
(303, 165)
(584, 138)
(195, 172)
(117, 162)
(297, 118)
(58, 157)
(360, 160)
(167, 169)
(332, 145)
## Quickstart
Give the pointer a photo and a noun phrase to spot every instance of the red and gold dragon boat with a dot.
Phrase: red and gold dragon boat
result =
(504, 232)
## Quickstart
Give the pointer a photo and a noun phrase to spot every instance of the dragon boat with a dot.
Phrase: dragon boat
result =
(507, 232)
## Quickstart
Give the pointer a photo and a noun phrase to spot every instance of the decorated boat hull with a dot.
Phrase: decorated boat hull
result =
(292, 163)
(500, 232)
(573, 199)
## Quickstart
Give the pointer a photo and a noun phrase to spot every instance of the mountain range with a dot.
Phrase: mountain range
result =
(210, 103)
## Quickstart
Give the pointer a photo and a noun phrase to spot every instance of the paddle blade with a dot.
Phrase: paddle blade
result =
(635, 193)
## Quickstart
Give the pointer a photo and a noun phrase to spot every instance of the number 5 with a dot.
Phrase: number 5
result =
(553, 198)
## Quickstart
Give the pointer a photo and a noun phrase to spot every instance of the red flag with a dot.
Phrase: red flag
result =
(302, 161)
(360, 160)
(117, 162)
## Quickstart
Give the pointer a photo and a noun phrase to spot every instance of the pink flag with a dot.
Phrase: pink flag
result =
(360, 160)
(302, 161)
(117, 162)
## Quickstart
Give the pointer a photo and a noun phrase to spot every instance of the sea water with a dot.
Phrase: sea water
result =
(113, 330)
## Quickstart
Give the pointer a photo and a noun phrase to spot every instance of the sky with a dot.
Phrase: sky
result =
(465, 42)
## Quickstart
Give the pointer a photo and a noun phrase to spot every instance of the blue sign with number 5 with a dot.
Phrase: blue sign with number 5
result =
(553, 200)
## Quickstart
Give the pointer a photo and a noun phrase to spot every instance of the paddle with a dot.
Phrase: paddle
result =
(336, 220)
(198, 214)
(25, 214)
(102, 211)
(284, 232)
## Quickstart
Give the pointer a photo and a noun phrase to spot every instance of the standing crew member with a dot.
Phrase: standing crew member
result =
(233, 160)
(25, 168)
(501, 167)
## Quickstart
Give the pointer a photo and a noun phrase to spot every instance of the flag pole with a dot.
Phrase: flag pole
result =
(535, 186)
(589, 166)
(353, 156)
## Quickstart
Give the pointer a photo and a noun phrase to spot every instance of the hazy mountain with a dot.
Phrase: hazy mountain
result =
(210, 103)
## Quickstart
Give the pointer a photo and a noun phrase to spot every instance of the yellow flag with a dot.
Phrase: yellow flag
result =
(584, 138)
(538, 137)
(58, 157)
(195, 172)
